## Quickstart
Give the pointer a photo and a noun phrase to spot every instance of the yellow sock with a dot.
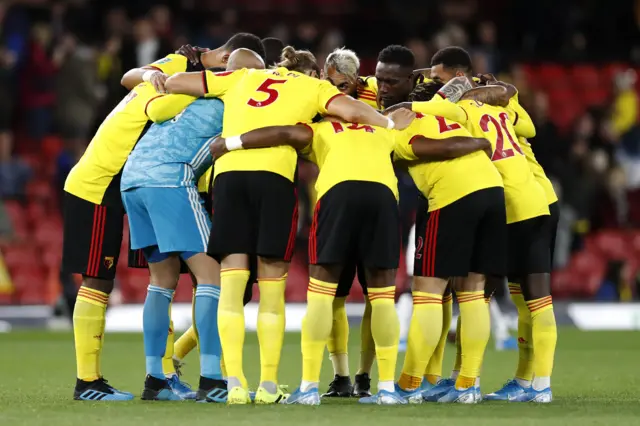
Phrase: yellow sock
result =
(433, 373)
(167, 359)
(223, 367)
(88, 329)
(339, 339)
(424, 335)
(231, 322)
(316, 327)
(475, 330)
(545, 335)
(524, 371)
(458, 362)
(185, 343)
(367, 345)
(271, 326)
(385, 329)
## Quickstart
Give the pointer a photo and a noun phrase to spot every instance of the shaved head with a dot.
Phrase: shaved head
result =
(244, 58)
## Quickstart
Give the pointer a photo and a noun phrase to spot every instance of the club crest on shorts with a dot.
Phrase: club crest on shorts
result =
(108, 262)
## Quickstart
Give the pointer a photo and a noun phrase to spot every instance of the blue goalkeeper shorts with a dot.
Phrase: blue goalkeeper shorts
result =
(166, 221)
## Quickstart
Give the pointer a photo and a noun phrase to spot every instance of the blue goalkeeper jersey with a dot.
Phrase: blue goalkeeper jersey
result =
(175, 153)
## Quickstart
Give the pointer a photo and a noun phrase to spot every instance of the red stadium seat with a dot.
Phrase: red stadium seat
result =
(585, 77)
(552, 76)
(30, 284)
(40, 190)
(49, 235)
(594, 96)
(16, 212)
(587, 262)
(612, 244)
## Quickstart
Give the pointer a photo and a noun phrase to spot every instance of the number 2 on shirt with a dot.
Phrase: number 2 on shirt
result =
(500, 153)
(265, 88)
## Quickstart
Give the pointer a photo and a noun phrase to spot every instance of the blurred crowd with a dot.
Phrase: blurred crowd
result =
(61, 64)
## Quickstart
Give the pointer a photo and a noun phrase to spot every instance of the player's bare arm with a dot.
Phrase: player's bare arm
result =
(186, 83)
(298, 137)
(354, 111)
(456, 88)
(446, 149)
(492, 95)
(135, 76)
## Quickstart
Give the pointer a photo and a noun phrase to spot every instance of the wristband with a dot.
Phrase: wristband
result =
(390, 124)
(147, 75)
(233, 143)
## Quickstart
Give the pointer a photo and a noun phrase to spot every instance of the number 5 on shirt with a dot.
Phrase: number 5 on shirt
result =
(265, 88)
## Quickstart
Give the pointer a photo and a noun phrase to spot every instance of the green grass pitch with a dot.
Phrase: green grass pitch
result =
(596, 382)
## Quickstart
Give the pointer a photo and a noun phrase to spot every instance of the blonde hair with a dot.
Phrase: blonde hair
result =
(345, 62)
(301, 61)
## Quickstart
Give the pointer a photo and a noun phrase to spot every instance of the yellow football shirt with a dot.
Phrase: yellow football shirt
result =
(261, 98)
(525, 198)
(93, 178)
(351, 152)
(444, 182)
(524, 127)
(368, 92)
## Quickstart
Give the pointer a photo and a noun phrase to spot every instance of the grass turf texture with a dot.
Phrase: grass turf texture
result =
(596, 382)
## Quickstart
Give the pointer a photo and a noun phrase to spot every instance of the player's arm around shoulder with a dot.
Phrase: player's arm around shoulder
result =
(203, 83)
(155, 73)
(298, 137)
(164, 107)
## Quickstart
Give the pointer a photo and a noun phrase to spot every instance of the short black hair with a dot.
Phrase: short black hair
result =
(273, 49)
(246, 41)
(399, 55)
(423, 92)
(453, 57)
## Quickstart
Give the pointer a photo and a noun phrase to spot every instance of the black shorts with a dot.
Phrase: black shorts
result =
(356, 221)
(253, 213)
(554, 209)
(137, 259)
(92, 237)
(468, 235)
(348, 275)
(529, 248)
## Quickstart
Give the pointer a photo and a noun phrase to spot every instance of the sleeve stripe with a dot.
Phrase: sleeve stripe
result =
(204, 82)
(332, 98)
(371, 98)
(466, 114)
(151, 67)
(149, 101)
(414, 138)
(516, 119)
(307, 126)
(443, 95)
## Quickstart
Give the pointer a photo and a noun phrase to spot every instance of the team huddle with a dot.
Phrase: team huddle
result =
(202, 157)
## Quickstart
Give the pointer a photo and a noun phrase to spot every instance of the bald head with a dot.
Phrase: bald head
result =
(244, 58)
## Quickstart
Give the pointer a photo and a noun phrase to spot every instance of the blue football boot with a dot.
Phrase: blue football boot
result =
(158, 390)
(180, 388)
(99, 390)
(436, 391)
(310, 397)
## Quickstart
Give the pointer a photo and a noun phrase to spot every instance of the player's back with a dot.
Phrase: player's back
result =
(524, 196)
(352, 152)
(261, 98)
(443, 182)
(110, 146)
(175, 153)
(538, 171)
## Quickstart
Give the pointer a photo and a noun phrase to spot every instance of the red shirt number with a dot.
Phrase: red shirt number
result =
(500, 153)
(338, 128)
(444, 126)
(265, 88)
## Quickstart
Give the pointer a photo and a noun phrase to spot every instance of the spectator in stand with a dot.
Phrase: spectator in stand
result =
(548, 147)
(14, 173)
(6, 228)
(76, 93)
(306, 37)
(616, 285)
(160, 17)
(7, 100)
(487, 47)
(38, 76)
(625, 112)
(146, 46)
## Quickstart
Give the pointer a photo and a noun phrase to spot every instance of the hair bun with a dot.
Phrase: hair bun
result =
(289, 54)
